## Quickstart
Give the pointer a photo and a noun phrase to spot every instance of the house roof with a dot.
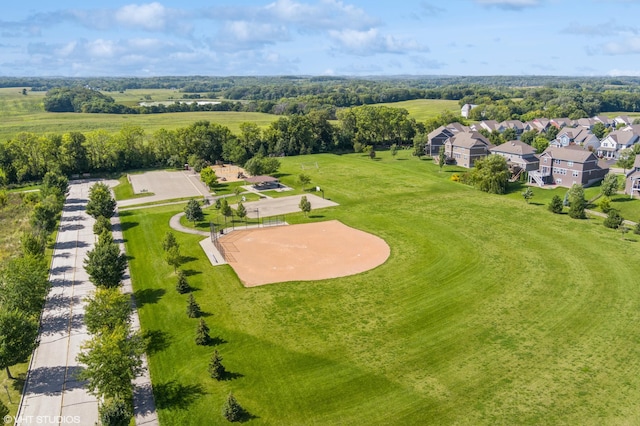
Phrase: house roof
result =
(634, 128)
(468, 140)
(513, 124)
(261, 179)
(440, 130)
(457, 127)
(578, 155)
(622, 137)
(514, 147)
(585, 122)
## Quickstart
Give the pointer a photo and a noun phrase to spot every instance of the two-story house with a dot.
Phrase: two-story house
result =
(437, 138)
(466, 147)
(517, 154)
(576, 136)
(568, 166)
(632, 184)
(615, 142)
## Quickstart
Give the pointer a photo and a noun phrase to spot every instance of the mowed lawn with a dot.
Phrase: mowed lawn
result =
(489, 311)
(423, 109)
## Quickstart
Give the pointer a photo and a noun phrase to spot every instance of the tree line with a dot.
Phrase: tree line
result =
(29, 156)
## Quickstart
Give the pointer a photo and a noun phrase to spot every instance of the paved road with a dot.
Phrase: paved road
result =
(53, 394)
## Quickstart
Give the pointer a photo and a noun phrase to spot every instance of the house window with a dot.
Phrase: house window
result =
(456, 155)
(569, 163)
(557, 161)
(558, 181)
(465, 156)
(545, 159)
(576, 173)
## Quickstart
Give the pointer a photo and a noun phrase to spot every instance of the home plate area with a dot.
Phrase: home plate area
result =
(304, 252)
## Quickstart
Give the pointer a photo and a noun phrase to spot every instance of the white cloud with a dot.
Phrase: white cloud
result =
(626, 73)
(629, 46)
(510, 4)
(371, 42)
(151, 16)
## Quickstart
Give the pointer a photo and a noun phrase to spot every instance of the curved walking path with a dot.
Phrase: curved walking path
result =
(214, 256)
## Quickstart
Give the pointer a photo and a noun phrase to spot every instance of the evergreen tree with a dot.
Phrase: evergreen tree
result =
(577, 202)
(173, 257)
(193, 309)
(182, 286)
(202, 333)
(527, 195)
(231, 410)
(613, 219)
(555, 206)
(216, 369)
(169, 241)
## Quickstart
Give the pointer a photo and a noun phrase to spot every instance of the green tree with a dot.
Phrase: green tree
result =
(208, 177)
(394, 150)
(112, 360)
(106, 309)
(491, 174)
(193, 211)
(599, 129)
(18, 334)
(54, 184)
(115, 412)
(626, 159)
(613, 219)
(182, 285)
(305, 205)
(45, 215)
(540, 143)
(231, 410)
(173, 257)
(216, 369)
(609, 185)
(555, 206)
(4, 410)
(304, 180)
(33, 243)
(105, 265)
(605, 204)
(102, 225)
(577, 202)
(442, 158)
(527, 194)
(169, 241)
(193, 309)
(202, 333)
(528, 136)
(225, 210)
(241, 211)
(100, 203)
(24, 284)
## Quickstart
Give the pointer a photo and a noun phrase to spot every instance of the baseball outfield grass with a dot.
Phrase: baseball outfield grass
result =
(489, 311)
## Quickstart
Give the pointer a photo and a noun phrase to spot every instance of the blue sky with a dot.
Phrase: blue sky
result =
(320, 37)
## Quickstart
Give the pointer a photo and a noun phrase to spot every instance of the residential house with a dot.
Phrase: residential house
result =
(602, 119)
(561, 122)
(439, 136)
(541, 124)
(466, 109)
(568, 166)
(517, 154)
(585, 122)
(632, 186)
(576, 136)
(489, 125)
(516, 125)
(623, 120)
(615, 142)
(466, 147)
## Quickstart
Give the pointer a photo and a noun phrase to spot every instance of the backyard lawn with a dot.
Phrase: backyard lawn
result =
(489, 311)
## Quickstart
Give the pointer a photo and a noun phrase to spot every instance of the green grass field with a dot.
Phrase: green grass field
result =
(422, 109)
(489, 311)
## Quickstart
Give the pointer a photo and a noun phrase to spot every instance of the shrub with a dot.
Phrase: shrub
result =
(455, 177)
(613, 219)
(555, 206)
(115, 413)
(605, 205)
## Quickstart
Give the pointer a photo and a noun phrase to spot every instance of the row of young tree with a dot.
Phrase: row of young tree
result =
(24, 277)
(231, 409)
(113, 355)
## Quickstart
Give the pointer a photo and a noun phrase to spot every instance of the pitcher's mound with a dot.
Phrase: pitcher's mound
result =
(306, 252)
